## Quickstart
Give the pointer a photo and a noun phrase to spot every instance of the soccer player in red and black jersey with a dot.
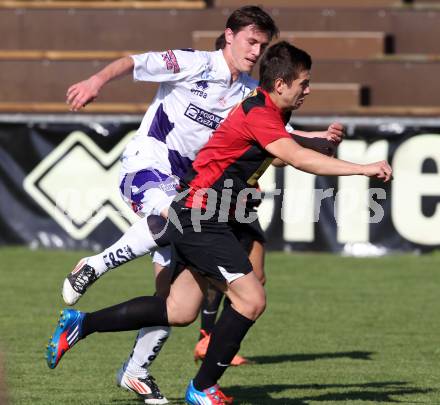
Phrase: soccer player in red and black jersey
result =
(204, 247)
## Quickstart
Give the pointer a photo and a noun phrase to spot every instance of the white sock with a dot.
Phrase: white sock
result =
(149, 342)
(135, 242)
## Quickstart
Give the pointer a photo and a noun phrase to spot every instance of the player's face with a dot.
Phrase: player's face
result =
(246, 47)
(298, 90)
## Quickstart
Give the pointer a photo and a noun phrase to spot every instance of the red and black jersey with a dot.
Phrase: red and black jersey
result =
(234, 158)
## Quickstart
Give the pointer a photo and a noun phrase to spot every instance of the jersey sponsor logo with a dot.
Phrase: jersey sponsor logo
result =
(201, 86)
(203, 117)
(206, 75)
(222, 101)
(171, 61)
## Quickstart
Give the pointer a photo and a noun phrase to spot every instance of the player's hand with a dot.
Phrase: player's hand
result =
(380, 170)
(83, 93)
(335, 133)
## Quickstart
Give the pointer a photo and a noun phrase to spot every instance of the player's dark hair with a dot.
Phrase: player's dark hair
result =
(252, 15)
(220, 42)
(282, 61)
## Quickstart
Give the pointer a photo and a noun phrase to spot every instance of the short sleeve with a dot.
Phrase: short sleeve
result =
(168, 66)
(265, 126)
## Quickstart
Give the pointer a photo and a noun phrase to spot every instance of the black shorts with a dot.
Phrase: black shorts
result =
(213, 252)
(248, 233)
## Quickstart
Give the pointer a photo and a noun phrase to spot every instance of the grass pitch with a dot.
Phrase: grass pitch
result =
(336, 331)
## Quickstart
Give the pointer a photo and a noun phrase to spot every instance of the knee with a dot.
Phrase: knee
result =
(180, 316)
(259, 307)
(262, 278)
(253, 308)
(181, 320)
(259, 272)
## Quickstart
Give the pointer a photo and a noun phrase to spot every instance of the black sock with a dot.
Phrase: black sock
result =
(226, 303)
(130, 315)
(208, 312)
(225, 342)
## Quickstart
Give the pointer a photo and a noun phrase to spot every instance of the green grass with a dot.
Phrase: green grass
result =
(336, 331)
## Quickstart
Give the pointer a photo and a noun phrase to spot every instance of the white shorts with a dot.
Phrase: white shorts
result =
(149, 192)
(162, 256)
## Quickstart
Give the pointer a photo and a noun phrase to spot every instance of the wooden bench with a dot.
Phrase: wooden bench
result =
(333, 97)
(28, 55)
(320, 44)
(324, 97)
(139, 109)
(392, 80)
(62, 108)
(338, 45)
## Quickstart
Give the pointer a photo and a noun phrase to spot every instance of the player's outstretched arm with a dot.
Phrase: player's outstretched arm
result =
(334, 133)
(313, 162)
(82, 93)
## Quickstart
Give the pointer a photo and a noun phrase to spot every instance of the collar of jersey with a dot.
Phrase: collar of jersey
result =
(269, 102)
(222, 69)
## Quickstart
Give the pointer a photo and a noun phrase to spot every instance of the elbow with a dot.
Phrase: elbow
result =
(278, 163)
(298, 163)
(306, 165)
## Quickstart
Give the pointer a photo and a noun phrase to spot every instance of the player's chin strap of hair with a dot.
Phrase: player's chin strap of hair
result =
(159, 230)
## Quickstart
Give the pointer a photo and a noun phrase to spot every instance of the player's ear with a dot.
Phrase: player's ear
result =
(229, 35)
(279, 85)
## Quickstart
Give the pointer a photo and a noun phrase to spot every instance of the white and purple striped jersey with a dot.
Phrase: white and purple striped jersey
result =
(194, 97)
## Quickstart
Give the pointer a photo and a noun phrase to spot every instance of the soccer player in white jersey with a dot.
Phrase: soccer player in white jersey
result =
(196, 92)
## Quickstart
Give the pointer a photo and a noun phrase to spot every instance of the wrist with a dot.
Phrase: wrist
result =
(98, 81)
(363, 170)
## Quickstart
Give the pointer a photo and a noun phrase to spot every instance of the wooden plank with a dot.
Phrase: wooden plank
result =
(332, 97)
(320, 44)
(130, 108)
(390, 81)
(324, 96)
(98, 108)
(204, 40)
(384, 111)
(97, 4)
(338, 45)
(63, 55)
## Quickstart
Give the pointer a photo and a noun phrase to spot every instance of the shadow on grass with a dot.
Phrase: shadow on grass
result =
(376, 392)
(137, 401)
(283, 358)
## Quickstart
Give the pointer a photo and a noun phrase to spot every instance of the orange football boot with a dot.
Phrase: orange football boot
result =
(202, 347)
